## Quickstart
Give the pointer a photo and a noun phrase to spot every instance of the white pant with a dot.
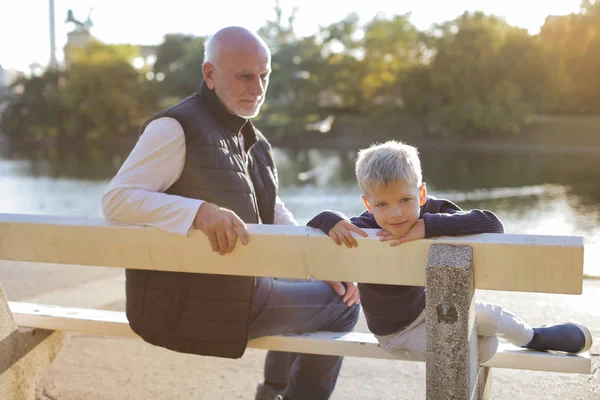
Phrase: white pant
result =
(492, 322)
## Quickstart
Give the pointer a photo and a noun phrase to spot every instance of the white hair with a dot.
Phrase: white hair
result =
(212, 49)
(213, 45)
(383, 164)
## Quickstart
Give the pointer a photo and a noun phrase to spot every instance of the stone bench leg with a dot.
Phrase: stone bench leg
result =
(452, 362)
(25, 355)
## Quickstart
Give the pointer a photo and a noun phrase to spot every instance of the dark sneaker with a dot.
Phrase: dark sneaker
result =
(265, 392)
(568, 337)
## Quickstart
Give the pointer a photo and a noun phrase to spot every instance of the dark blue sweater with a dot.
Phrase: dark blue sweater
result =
(390, 308)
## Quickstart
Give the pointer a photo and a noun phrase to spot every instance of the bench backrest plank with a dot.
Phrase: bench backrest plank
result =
(530, 263)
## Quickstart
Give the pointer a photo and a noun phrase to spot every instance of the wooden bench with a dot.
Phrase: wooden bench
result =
(451, 267)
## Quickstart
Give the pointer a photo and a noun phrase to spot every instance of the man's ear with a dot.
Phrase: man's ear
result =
(366, 203)
(207, 71)
(422, 194)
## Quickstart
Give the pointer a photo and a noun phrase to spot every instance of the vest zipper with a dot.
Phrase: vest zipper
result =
(249, 178)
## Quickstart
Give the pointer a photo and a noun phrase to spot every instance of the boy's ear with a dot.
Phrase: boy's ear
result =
(366, 203)
(423, 194)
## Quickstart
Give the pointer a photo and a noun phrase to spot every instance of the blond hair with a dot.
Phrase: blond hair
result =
(392, 161)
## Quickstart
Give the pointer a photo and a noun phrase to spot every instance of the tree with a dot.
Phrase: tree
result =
(35, 110)
(179, 61)
(391, 50)
(275, 32)
(468, 89)
(343, 70)
(297, 76)
(104, 93)
(527, 64)
(573, 42)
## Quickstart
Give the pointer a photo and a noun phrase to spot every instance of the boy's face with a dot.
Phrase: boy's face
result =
(396, 206)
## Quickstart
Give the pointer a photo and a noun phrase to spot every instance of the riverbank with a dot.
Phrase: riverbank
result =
(310, 141)
(547, 134)
(564, 134)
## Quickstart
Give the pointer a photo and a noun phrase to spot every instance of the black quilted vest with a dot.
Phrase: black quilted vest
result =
(200, 313)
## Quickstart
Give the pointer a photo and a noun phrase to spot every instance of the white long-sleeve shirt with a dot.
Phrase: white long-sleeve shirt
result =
(136, 193)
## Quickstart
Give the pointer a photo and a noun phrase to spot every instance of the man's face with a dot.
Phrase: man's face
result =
(396, 206)
(240, 79)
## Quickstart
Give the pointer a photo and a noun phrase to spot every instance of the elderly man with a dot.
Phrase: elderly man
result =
(201, 164)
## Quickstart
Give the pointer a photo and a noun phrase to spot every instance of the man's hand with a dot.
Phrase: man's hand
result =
(340, 233)
(417, 231)
(221, 226)
(349, 291)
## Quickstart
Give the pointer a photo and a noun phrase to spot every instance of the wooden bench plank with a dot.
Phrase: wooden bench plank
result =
(354, 344)
(531, 263)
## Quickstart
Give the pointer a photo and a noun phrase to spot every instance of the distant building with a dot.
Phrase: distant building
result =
(80, 37)
(77, 39)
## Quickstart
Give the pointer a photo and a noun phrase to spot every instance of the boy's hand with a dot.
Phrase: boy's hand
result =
(348, 291)
(417, 231)
(340, 233)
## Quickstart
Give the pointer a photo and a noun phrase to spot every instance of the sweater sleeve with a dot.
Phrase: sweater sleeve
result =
(325, 220)
(444, 218)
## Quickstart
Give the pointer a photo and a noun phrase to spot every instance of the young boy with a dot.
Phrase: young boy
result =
(395, 196)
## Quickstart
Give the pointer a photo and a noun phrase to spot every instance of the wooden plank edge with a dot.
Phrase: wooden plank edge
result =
(353, 344)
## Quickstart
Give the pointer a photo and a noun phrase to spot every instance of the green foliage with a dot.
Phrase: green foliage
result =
(486, 78)
(501, 111)
(530, 66)
(277, 34)
(574, 44)
(37, 110)
(179, 60)
(99, 96)
(103, 89)
(472, 76)
(391, 50)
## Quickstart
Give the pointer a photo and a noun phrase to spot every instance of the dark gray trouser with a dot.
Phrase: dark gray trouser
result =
(298, 306)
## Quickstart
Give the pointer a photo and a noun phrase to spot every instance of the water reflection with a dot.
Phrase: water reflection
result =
(477, 170)
(89, 163)
(444, 170)
(315, 167)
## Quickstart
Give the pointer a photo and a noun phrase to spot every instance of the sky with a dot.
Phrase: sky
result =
(25, 37)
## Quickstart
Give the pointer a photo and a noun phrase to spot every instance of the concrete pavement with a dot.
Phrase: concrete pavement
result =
(101, 368)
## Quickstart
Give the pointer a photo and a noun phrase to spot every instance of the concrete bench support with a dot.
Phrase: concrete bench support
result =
(25, 355)
(452, 359)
